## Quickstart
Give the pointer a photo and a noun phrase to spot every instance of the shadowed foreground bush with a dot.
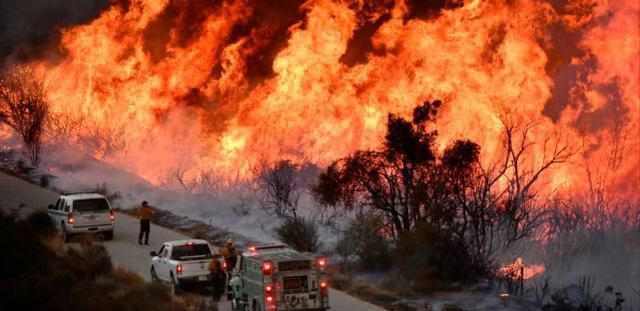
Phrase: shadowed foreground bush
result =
(363, 239)
(299, 233)
(431, 259)
(582, 297)
(36, 278)
(41, 223)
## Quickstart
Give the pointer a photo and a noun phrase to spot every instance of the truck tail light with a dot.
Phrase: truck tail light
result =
(268, 297)
(321, 262)
(112, 216)
(324, 288)
(179, 268)
(70, 218)
(267, 267)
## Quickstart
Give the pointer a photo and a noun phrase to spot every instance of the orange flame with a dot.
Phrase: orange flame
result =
(173, 79)
(518, 268)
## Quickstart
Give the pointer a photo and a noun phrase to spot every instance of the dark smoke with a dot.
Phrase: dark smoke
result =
(30, 29)
(183, 18)
(426, 9)
(571, 79)
(563, 47)
(373, 14)
(267, 33)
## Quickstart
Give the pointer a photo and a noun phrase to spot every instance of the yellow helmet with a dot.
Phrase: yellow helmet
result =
(229, 241)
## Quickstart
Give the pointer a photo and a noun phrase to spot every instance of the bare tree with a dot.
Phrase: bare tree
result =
(105, 140)
(279, 188)
(520, 212)
(497, 205)
(63, 126)
(483, 209)
(23, 106)
(474, 195)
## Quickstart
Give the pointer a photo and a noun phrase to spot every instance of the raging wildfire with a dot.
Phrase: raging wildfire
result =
(219, 76)
(446, 139)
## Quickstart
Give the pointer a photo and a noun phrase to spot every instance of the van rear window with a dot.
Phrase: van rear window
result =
(294, 265)
(90, 205)
(193, 251)
(294, 284)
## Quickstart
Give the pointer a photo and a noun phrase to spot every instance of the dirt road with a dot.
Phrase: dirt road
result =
(124, 249)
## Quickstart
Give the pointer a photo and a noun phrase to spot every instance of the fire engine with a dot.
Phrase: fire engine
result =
(276, 277)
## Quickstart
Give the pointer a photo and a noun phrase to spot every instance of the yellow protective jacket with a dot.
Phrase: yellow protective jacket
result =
(226, 252)
(145, 213)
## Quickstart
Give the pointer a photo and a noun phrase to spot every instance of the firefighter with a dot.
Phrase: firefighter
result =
(217, 277)
(230, 255)
(144, 214)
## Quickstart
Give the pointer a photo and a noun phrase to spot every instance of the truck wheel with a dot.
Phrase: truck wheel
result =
(108, 235)
(174, 288)
(154, 275)
(65, 235)
(235, 304)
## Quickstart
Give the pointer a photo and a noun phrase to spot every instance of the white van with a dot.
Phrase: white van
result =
(83, 212)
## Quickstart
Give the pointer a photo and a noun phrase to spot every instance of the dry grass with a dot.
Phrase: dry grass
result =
(193, 302)
(371, 293)
(53, 242)
(126, 277)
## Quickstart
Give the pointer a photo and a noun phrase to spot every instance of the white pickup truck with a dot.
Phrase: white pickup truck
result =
(182, 263)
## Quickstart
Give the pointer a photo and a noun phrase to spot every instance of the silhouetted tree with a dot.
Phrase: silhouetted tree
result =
(279, 187)
(364, 237)
(23, 106)
(390, 181)
(482, 209)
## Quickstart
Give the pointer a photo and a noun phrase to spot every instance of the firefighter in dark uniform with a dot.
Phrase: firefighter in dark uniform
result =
(217, 277)
(144, 214)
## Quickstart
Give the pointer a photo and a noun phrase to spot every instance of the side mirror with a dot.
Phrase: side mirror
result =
(153, 254)
(50, 206)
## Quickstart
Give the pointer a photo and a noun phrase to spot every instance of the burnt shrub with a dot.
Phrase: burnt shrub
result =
(90, 262)
(41, 223)
(299, 233)
(35, 278)
(582, 297)
(431, 259)
(21, 246)
(364, 240)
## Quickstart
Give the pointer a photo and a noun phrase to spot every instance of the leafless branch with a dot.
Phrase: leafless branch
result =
(24, 107)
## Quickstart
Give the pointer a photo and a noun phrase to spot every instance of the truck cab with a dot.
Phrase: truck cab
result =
(276, 277)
